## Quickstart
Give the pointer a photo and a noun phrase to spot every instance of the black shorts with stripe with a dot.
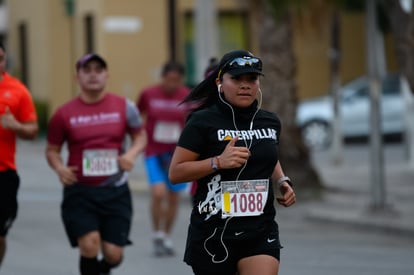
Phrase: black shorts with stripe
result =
(107, 210)
(9, 186)
(228, 251)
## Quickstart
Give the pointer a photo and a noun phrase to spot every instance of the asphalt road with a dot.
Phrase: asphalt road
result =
(38, 245)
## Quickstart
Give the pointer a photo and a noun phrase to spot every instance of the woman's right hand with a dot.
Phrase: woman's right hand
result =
(233, 156)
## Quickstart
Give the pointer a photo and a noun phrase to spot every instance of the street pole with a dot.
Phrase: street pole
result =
(334, 57)
(205, 34)
(378, 194)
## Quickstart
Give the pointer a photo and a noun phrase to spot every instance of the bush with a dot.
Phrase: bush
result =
(42, 110)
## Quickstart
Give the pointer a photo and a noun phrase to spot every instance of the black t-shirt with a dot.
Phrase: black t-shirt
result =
(207, 133)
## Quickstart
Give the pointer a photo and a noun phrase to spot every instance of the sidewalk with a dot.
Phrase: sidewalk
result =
(348, 196)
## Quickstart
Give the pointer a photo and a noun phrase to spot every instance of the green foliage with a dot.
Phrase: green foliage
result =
(42, 110)
(69, 7)
(349, 5)
(383, 20)
(280, 7)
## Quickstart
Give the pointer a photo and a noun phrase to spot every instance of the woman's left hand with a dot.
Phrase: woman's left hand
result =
(288, 195)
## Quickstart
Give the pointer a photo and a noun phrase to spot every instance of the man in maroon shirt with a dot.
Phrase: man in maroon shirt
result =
(165, 118)
(97, 206)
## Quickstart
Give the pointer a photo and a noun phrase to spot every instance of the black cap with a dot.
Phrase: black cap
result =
(89, 57)
(228, 63)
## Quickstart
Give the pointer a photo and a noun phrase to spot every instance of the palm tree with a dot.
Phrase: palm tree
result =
(273, 27)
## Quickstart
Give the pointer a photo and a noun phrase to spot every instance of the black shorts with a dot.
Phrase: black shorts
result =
(196, 255)
(9, 185)
(107, 210)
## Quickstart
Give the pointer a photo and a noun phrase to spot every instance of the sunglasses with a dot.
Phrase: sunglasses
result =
(242, 62)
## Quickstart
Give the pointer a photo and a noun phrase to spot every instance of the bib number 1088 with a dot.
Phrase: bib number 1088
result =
(243, 204)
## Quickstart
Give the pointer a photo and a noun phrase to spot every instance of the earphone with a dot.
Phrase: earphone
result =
(238, 175)
(260, 99)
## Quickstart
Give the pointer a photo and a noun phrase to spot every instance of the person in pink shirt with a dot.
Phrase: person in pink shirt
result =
(165, 118)
(97, 206)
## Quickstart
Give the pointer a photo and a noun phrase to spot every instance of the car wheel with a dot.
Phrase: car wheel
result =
(317, 134)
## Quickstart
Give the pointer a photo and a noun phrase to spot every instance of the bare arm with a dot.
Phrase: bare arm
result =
(278, 172)
(127, 160)
(288, 194)
(25, 130)
(185, 165)
(66, 174)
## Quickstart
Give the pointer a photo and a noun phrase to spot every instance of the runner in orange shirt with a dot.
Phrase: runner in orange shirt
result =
(17, 119)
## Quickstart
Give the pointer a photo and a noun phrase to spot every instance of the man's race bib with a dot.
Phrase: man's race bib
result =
(243, 197)
(167, 132)
(102, 162)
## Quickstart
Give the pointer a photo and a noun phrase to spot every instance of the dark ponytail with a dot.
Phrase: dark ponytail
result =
(204, 94)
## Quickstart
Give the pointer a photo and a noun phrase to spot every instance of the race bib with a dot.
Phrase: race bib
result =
(102, 162)
(243, 198)
(167, 132)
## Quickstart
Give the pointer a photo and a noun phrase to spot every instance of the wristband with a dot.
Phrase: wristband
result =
(282, 180)
(218, 162)
(213, 165)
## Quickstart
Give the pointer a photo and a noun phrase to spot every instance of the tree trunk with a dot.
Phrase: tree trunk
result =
(402, 24)
(279, 91)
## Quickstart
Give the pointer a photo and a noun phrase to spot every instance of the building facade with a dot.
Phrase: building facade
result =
(46, 37)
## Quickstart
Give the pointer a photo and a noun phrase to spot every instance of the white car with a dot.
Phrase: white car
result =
(315, 116)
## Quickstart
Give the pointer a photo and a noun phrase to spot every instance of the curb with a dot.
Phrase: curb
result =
(383, 222)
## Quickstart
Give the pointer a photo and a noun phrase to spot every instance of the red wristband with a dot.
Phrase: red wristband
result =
(218, 162)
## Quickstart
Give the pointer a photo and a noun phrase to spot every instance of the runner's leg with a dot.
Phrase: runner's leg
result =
(9, 186)
(89, 245)
(171, 211)
(112, 257)
(158, 191)
(2, 248)
(170, 215)
(259, 264)
(115, 226)
(156, 178)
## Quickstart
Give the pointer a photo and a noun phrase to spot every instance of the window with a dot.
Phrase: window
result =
(391, 85)
(89, 33)
(232, 34)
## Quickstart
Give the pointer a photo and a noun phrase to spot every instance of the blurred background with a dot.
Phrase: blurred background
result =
(44, 39)
(310, 48)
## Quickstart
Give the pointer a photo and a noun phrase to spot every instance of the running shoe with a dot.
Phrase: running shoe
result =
(168, 247)
(159, 249)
